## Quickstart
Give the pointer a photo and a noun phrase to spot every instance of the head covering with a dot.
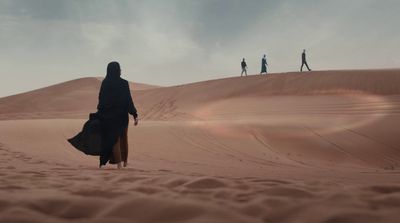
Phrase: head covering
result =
(113, 70)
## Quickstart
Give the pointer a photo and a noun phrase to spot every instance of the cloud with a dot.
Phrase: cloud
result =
(172, 42)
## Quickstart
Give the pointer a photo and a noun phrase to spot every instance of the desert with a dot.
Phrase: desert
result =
(321, 146)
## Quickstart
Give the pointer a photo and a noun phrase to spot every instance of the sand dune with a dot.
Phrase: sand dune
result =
(137, 86)
(311, 147)
(74, 99)
(70, 99)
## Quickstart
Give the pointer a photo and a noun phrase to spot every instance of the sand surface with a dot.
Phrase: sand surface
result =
(311, 147)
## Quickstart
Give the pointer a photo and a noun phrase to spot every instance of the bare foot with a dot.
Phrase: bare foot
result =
(119, 166)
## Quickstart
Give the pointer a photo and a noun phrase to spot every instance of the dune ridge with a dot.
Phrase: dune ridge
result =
(61, 100)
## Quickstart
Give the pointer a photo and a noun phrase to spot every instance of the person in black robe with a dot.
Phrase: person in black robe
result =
(304, 61)
(244, 67)
(115, 105)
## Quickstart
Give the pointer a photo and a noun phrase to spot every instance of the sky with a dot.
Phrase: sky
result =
(44, 42)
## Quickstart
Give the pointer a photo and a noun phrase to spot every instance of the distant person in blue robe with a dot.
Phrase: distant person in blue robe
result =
(264, 65)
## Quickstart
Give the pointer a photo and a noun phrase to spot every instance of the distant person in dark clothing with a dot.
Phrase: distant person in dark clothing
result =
(115, 105)
(304, 61)
(244, 67)
(264, 65)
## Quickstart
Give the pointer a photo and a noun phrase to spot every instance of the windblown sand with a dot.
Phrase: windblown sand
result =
(311, 147)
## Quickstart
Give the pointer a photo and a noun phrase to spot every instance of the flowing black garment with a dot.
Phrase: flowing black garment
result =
(103, 129)
(88, 140)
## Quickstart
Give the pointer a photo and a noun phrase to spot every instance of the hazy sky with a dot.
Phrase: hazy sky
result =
(168, 42)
